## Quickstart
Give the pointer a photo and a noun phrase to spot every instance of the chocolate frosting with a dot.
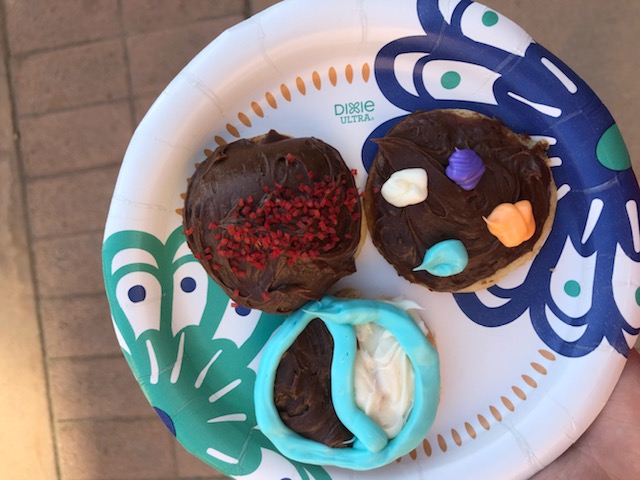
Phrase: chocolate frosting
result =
(302, 390)
(514, 171)
(274, 220)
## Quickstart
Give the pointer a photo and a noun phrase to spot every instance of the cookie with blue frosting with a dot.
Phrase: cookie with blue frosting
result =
(348, 382)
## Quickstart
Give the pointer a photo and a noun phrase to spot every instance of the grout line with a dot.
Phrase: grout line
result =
(110, 38)
(72, 108)
(75, 296)
(5, 57)
(82, 43)
(72, 296)
(82, 358)
(55, 111)
(127, 63)
(64, 236)
(73, 172)
(134, 418)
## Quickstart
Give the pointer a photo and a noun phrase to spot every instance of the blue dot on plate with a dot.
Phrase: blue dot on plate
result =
(243, 312)
(166, 419)
(188, 284)
(137, 294)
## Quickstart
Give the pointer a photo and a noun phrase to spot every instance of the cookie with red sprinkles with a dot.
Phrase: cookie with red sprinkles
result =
(274, 220)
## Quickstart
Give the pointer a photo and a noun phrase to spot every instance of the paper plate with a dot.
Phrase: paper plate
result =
(526, 365)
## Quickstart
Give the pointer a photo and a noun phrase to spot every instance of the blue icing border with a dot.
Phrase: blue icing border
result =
(371, 448)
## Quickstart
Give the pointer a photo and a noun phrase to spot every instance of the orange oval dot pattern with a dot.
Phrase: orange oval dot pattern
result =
(244, 119)
(271, 100)
(302, 88)
(539, 368)
(547, 354)
(519, 392)
(456, 437)
(348, 72)
(530, 381)
(233, 130)
(442, 443)
(286, 93)
(496, 413)
(470, 430)
(366, 72)
(484, 422)
(257, 109)
(508, 404)
(426, 447)
(316, 80)
(333, 76)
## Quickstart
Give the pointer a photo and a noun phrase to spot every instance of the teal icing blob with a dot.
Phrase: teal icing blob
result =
(371, 448)
(445, 259)
(611, 150)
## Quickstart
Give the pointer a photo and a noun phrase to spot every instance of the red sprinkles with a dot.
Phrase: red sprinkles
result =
(287, 222)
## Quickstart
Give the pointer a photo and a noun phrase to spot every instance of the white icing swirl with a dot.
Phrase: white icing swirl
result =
(384, 378)
(406, 187)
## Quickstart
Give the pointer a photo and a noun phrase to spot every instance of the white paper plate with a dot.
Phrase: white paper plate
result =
(526, 365)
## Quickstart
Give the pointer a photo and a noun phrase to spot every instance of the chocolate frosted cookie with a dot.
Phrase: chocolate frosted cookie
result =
(455, 200)
(274, 220)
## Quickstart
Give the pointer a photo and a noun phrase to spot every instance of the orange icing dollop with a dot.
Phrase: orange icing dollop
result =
(512, 223)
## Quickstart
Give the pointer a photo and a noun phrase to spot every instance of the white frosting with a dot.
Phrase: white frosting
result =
(384, 378)
(406, 187)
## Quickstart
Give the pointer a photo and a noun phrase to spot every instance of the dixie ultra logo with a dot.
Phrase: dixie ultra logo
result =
(354, 112)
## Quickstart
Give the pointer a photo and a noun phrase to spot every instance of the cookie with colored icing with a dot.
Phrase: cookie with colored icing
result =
(274, 220)
(352, 383)
(455, 200)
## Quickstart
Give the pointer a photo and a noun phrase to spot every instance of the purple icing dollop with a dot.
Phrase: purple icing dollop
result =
(465, 168)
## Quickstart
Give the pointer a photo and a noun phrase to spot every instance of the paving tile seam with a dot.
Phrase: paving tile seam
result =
(76, 172)
(89, 420)
(88, 357)
(123, 34)
(78, 296)
(97, 103)
(69, 236)
(20, 56)
(44, 298)
(173, 28)
(84, 106)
